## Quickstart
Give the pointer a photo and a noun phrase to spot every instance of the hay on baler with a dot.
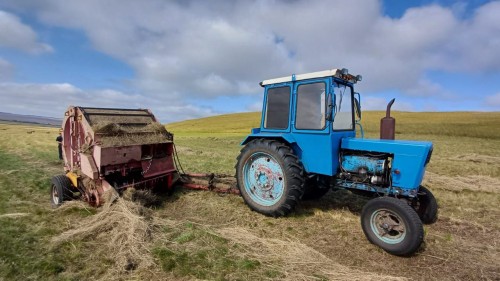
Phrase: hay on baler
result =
(114, 134)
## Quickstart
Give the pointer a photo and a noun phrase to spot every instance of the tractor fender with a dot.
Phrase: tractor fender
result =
(286, 138)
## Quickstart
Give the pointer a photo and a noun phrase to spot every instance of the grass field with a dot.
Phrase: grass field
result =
(201, 235)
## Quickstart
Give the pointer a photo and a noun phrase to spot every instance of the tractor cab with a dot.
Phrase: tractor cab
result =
(311, 112)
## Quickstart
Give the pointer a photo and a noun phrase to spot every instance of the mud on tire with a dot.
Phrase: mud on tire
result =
(270, 177)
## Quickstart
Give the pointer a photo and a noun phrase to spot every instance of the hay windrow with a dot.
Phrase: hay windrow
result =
(121, 230)
(478, 158)
(296, 260)
(460, 183)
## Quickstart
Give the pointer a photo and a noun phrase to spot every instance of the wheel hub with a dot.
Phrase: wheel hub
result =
(264, 179)
(388, 226)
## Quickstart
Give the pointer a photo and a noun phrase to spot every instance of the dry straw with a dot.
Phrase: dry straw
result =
(460, 183)
(120, 230)
(295, 260)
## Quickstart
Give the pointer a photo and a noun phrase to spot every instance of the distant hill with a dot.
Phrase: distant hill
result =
(470, 124)
(32, 119)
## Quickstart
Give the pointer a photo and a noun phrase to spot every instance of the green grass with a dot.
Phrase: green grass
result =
(193, 251)
(213, 237)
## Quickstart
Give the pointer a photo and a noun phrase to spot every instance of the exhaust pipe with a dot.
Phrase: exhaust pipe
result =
(388, 124)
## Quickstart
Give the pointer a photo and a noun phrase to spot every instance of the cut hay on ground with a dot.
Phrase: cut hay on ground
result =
(460, 183)
(121, 230)
(14, 215)
(296, 260)
(478, 158)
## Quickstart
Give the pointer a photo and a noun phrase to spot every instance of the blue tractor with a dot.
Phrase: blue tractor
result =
(307, 144)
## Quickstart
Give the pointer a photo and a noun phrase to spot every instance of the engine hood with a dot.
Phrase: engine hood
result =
(409, 158)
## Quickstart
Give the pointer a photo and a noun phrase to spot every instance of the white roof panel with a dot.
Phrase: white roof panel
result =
(319, 74)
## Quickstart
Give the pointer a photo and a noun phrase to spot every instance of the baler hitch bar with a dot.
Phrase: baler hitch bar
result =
(220, 183)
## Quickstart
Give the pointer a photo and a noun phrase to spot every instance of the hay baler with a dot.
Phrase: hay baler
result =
(307, 144)
(110, 148)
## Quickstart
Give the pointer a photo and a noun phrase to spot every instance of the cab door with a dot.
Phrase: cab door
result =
(343, 125)
(310, 126)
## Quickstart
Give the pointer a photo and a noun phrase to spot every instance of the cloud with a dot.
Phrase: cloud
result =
(474, 47)
(493, 101)
(6, 70)
(52, 100)
(255, 107)
(189, 50)
(376, 103)
(15, 34)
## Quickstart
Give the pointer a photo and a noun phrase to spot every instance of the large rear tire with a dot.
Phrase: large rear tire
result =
(270, 177)
(392, 225)
(60, 190)
(426, 206)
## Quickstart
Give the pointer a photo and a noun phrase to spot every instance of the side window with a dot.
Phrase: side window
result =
(311, 106)
(277, 108)
(343, 119)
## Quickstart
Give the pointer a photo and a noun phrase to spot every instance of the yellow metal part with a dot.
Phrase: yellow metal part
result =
(73, 178)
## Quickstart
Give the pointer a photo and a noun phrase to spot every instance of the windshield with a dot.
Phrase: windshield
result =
(343, 118)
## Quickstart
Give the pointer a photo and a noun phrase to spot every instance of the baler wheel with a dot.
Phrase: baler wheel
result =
(270, 177)
(60, 190)
(392, 225)
(315, 189)
(426, 206)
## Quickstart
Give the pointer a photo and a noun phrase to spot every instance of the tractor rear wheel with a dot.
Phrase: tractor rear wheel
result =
(392, 225)
(315, 188)
(426, 206)
(60, 190)
(270, 177)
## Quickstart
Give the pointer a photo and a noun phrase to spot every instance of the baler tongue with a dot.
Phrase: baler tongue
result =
(219, 183)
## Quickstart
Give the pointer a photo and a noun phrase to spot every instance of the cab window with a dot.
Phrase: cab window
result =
(277, 108)
(343, 118)
(311, 106)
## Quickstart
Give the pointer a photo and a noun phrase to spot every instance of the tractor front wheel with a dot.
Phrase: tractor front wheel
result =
(426, 206)
(60, 190)
(270, 177)
(392, 225)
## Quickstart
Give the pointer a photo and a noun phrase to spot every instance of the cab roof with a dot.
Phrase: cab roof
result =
(338, 73)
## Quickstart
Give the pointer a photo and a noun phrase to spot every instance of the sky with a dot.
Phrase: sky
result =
(188, 59)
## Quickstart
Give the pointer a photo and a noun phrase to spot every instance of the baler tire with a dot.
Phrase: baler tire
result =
(392, 225)
(60, 190)
(273, 192)
(314, 189)
(427, 208)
